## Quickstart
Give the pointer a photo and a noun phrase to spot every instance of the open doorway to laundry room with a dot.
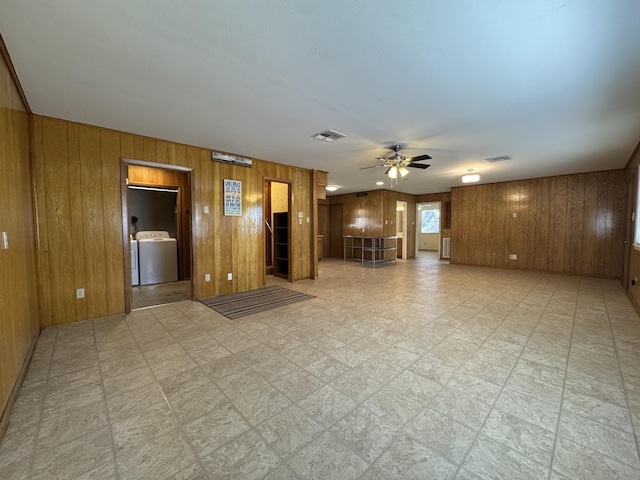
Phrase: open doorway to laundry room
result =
(157, 226)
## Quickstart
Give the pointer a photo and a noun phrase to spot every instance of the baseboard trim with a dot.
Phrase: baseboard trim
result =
(6, 414)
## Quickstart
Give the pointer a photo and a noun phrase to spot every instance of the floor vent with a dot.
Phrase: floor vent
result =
(446, 248)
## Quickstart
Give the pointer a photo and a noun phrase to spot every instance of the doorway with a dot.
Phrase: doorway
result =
(157, 229)
(428, 228)
(401, 229)
(277, 219)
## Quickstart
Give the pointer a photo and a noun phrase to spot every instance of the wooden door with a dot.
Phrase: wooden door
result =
(335, 231)
(629, 231)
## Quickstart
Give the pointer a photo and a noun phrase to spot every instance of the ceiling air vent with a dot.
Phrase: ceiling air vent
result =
(329, 136)
(499, 158)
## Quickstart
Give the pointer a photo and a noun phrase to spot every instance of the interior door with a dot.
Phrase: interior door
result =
(335, 231)
(628, 231)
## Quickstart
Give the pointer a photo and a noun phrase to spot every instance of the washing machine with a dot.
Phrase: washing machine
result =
(157, 257)
(135, 271)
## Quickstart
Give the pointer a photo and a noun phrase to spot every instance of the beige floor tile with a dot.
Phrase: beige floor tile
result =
(289, 430)
(71, 459)
(247, 457)
(261, 404)
(328, 458)
(407, 458)
(442, 434)
(341, 387)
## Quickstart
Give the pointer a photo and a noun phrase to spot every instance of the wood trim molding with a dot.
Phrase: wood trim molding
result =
(6, 414)
(14, 76)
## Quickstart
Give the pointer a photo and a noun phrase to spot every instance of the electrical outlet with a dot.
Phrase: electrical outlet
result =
(80, 293)
(513, 256)
(207, 277)
(5, 241)
(229, 276)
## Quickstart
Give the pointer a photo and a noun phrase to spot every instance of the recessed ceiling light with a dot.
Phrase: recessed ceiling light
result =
(328, 136)
(331, 188)
(379, 183)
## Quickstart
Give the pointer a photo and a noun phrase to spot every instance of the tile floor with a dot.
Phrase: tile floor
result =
(161, 293)
(417, 370)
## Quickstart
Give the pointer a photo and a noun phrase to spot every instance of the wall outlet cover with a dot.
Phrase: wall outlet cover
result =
(207, 277)
(229, 276)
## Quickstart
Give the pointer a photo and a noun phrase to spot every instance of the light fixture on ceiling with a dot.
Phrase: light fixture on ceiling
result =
(392, 172)
(331, 188)
(470, 177)
(403, 171)
(379, 183)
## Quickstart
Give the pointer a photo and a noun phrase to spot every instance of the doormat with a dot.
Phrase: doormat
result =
(241, 304)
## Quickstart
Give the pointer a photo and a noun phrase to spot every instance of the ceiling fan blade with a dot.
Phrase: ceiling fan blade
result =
(372, 166)
(419, 158)
(418, 165)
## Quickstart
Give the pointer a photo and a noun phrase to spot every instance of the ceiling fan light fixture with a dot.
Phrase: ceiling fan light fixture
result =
(392, 172)
(404, 171)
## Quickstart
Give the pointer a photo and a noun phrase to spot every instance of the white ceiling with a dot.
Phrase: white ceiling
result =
(553, 83)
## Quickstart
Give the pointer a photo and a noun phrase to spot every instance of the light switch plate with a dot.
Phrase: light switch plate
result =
(206, 209)
(229, 276)
(5, 241)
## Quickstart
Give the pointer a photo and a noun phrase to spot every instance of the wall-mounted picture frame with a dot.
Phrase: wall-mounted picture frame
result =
(232, 198)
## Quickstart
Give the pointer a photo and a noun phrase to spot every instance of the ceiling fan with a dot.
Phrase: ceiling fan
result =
(397, 164)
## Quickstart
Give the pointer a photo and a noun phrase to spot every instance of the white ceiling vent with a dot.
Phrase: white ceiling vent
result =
(499, 158)
(329, 136)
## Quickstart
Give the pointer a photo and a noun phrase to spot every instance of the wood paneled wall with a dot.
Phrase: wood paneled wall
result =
(572, 224)
(361, 215)
(19, 322)
(80, 217)
(390, 227)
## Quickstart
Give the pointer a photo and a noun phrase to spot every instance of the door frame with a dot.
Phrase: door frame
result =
(419, 226)
(405, 228)
(629, 232)
(126, 244)
(265, 229)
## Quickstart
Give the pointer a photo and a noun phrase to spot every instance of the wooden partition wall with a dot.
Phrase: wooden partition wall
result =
(375, 214)
(572, 224)
(18, 277)
(77, 178)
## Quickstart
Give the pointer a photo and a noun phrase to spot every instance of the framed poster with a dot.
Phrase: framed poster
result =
(232, 198)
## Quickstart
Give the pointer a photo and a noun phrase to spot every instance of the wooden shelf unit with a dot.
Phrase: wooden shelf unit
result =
(281, 244)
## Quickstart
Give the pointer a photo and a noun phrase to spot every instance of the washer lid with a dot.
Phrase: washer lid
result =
(152, 235)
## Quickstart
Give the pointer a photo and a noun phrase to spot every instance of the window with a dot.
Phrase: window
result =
(430, 221)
